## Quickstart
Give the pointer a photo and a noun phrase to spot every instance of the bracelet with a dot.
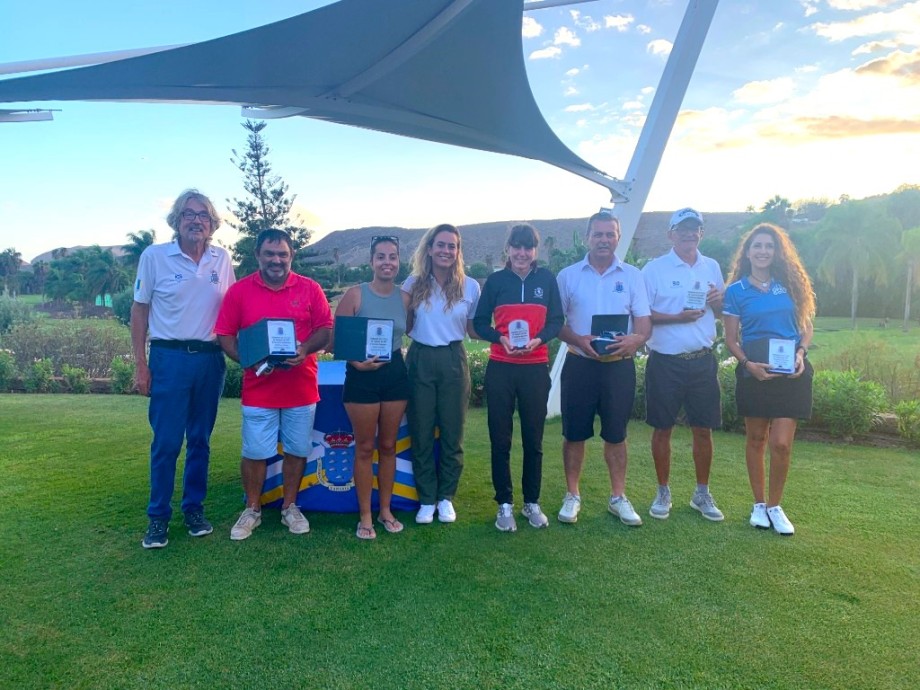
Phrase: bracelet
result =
(744, 362)
(803, 349)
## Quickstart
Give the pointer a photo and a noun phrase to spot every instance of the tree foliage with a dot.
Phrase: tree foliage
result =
(267, 204)
(137, 243)
(83, 275)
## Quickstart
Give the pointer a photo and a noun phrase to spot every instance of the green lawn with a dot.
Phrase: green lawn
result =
(681, 604)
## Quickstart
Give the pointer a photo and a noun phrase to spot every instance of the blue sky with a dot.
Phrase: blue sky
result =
(803, 98)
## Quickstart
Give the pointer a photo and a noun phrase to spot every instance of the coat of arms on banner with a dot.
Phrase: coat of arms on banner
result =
(335, 469)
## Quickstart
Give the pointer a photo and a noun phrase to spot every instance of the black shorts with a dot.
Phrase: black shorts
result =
(777, 398)
(388, 383)
(592, 387)
(672, 382)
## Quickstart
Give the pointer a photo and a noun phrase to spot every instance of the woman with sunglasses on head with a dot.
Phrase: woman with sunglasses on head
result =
(441, 307)
(376, 391)
(519, 312)
(768, 311)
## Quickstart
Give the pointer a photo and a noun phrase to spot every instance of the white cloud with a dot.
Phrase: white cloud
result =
(761, 92)
(806, 69)
(643, 29)
(585, 22)
(646, 90)
(874, 46)
(570, 91)
(566, 37)
(903, 22)
(633, 105)
(579, 108)
(620, 22)
(854, 5)
(544, 53)
(573, 72)
(659, 47)
(810, 7)
(531, 28)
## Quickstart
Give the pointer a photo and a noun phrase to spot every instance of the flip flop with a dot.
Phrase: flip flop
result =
(393, 526)
(365, 532)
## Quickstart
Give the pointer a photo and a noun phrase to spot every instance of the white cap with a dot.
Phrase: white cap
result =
(685, 214)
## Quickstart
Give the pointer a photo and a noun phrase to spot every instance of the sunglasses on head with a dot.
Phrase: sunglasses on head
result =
(377, 239)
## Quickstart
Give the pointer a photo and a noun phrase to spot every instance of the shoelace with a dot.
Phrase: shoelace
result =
(705, 501)
(570, 503)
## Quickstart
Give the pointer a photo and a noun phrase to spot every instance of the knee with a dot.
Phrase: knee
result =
(387, 448)
(781, 447)
(364, 451)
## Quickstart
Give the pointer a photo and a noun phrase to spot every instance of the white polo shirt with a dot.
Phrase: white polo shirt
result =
(667, 280)
(184, 297)
(585, 292)
(435, 327)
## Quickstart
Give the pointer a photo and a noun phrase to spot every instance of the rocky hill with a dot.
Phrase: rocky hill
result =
(482, 241)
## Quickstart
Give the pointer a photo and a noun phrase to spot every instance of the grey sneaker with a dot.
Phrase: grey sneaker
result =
(534, 515)
(661, 506)
(504, 520)
(197, 524)
(571, 504)
(294, 520)
(706, 506)
(622, 508)
(248, 521)
(157, 535)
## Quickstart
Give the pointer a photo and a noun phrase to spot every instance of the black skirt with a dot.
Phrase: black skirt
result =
(781, 397)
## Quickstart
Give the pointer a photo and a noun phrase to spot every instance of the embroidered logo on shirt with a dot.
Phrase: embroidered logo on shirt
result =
(619, 286)
(178, 276)
(538, 293)
(675, 283)
(215, 279)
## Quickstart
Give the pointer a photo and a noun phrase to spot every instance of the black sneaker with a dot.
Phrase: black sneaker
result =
(198, 525)
(157, 535)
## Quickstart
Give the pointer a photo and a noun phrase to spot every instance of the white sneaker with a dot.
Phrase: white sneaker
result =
(294, 520)
(534, 515)
(780, 522)
(504, 520)
(622, 508)
(446, 512)
(759, 517)
(571, 505)
(248, 521)
(425, 514)
(661, 506)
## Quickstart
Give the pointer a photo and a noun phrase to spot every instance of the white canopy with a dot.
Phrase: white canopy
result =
(450, 71)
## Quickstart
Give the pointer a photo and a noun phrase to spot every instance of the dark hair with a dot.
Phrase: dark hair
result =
(523, 235)
(380, 239)
(273, 235)
(602, 215)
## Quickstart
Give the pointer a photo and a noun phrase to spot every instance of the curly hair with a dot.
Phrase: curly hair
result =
(786, 268)
(421, 269)
(175, 213)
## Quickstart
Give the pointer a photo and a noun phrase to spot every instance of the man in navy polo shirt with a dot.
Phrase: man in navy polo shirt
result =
(685, 292)
(179, 288)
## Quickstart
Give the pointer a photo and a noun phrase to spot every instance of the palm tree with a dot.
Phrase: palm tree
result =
(776, 210)
(103, 273)
(137, 243)
(10, 261)
(910, 243)
(855, 236)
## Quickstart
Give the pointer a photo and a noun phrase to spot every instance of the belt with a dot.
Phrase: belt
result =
(602, 358)
(191, 346)
(696, 354)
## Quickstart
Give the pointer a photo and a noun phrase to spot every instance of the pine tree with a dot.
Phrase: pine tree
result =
(267, 205)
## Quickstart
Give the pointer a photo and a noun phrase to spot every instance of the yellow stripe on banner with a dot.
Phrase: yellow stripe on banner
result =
(405, 491)
(308, 481)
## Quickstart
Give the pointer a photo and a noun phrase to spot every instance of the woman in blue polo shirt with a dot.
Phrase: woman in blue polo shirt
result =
(768, 311)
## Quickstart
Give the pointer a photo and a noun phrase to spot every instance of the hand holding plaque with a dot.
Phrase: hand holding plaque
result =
(519, 334)
(781, 356)
(379, 341)
(696, 297)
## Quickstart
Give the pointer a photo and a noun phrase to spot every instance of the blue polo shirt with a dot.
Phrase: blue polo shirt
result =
(769, 314)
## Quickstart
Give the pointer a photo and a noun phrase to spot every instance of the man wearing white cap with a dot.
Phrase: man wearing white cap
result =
(685, 292)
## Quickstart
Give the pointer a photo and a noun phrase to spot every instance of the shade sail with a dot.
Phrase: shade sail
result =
(450, 71)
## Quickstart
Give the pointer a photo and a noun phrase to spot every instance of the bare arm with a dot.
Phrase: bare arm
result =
(732, 329)
(230, 345)
(626, 345)
(140, 313)
(583, 342)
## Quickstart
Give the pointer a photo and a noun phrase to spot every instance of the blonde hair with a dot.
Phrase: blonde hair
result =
(175, 213)
(787, 268)
(421, 270)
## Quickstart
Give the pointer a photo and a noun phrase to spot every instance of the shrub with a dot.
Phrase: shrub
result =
(638, 410)
(40, 377)
(13, 312)
(122, 375)
(908, 412)
(477, 360)
(233, 382)
(121, 306)
(7, 369)
(90, 344)
(75, 378)
(731, 420)
(845, 404)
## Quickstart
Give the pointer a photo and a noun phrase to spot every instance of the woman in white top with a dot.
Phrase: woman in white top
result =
(442, 303)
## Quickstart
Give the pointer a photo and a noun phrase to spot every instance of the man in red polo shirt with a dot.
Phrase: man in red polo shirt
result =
(282, 400)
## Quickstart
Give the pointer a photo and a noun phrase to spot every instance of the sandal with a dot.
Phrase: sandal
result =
(365, 532)
(393, 526)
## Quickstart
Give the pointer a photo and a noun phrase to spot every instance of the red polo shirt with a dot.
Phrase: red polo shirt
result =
(300, 299)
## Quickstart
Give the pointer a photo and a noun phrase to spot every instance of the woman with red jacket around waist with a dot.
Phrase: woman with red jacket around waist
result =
(519, 312)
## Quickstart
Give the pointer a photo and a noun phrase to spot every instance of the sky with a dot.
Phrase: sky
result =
(801, 98)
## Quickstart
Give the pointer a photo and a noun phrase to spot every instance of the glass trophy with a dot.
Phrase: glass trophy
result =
(519, 333)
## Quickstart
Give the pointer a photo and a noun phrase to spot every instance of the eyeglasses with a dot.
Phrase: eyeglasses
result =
(377, 239)
(688, 231)
(191, 215)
